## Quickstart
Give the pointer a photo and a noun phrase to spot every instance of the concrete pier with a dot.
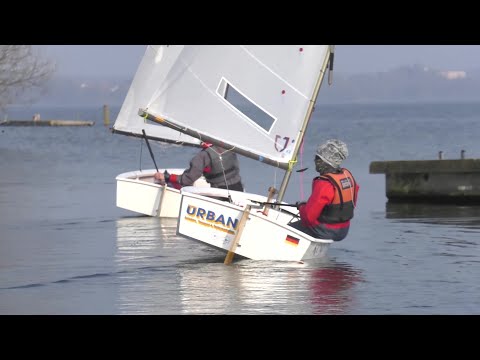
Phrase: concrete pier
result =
(433, 181)
(46, 123)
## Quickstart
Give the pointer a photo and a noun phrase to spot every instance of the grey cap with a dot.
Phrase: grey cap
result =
(333, 152)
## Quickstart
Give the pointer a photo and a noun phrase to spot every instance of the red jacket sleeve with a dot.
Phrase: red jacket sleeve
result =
(322, 194)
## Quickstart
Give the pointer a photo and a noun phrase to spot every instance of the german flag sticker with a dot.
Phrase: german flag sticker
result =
(291, 240)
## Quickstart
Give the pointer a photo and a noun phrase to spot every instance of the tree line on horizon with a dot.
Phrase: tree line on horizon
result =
(28, 78)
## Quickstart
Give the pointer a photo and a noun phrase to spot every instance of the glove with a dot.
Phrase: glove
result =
(166, 175)
(299, 203)
(157, 179)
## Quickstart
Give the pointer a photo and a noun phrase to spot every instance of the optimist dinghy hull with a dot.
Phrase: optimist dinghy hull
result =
(207, 218)
(137, 192)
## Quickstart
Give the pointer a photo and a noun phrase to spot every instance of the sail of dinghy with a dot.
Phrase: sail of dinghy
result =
(148, 82)
(255, 100)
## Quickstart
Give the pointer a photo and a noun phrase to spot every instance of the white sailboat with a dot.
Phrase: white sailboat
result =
(256, 101)
(136, 190)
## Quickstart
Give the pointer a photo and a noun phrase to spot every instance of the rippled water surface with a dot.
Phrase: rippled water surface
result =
(65, 248)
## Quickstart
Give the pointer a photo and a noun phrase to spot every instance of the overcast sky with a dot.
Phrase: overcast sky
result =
(122, 60)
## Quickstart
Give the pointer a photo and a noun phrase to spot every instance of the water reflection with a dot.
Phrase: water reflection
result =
(182, 276)
(147, 259)
(434, 213)
(332, 288)
(143, 233)
(143, 270)
(253, 287)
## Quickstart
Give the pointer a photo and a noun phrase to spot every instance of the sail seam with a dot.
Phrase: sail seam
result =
(273, 72)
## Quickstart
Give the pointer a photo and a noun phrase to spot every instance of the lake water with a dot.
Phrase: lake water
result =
(65, 248)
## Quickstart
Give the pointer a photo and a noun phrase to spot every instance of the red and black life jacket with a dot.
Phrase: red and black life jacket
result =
(343, 204)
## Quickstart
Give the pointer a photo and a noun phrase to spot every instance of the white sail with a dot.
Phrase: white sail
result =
(255, 98)
(149, 80)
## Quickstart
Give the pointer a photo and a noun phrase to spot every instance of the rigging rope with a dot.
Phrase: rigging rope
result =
(223, 170)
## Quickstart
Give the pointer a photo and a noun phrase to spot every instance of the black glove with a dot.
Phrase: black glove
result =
(299, 203)
(167, 176)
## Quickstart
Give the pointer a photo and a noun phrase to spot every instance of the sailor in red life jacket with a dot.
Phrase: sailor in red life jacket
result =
(328, 211)
(219, 166)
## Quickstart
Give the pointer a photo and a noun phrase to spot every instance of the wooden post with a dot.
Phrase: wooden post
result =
(106, 115)
(271, 191)
(238, 235)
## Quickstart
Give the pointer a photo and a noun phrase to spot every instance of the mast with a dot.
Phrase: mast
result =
(301, 136)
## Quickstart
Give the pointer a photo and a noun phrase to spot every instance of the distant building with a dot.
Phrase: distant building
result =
(453, 75)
